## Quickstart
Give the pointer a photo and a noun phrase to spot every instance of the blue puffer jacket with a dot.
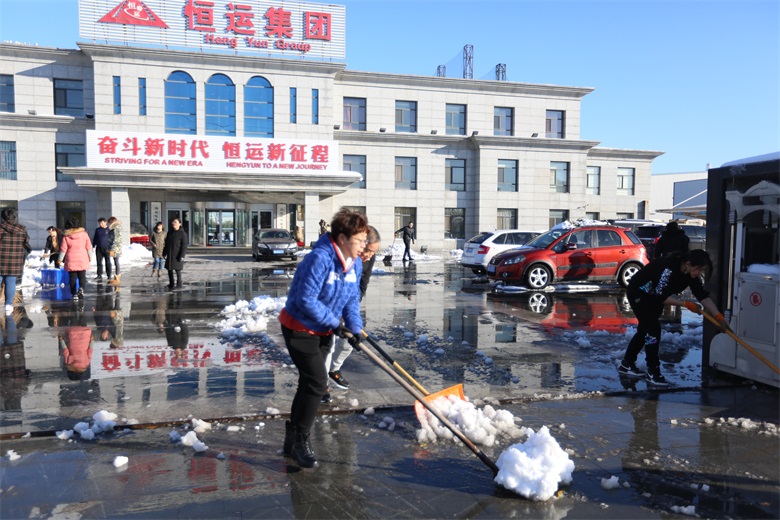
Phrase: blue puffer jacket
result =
(321, 292)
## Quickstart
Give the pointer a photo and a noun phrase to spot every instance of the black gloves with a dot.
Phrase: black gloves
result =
(353, 339)
(341, 331)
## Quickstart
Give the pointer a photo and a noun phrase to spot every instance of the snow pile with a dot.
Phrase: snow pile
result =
(12, 455)
(243, 318)
(534, 468)
(191, 439)
(120, 460)
(685, 510)
(480, 426)
(200, 426)
(610, 483)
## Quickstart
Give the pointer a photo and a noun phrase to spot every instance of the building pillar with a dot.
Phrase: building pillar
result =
(119, 207)
(311, 211)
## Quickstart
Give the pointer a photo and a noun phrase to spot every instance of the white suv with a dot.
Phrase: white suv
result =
(480, 249)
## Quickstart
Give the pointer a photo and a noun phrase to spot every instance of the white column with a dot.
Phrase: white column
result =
(120, 208)
(311, 209)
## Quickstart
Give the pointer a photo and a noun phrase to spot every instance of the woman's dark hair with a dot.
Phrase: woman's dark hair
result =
(73, 222)
(111, 220)
(51, 228)
(9, 215)
(699, 258)
(348, 223)
(159, 224)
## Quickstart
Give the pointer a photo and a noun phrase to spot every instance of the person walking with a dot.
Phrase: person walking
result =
(673, 239)
(157, 240)
(115, 247)
(324, 290)
(100, 241)
(76, 255)
(174, 250)
(650, 289)
(52, 248)
(407, 233)
(341, 349)
(14, 246)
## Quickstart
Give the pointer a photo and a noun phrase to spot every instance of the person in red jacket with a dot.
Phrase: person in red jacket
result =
(76, 255)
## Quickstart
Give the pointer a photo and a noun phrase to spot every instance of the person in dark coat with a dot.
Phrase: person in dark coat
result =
(100, 241)
(408, 237)
(671, 240)
(655, 285)
(52, 248)
(14, 246)
(174, 251)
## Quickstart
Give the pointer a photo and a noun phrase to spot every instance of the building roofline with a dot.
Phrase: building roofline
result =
(622, 153)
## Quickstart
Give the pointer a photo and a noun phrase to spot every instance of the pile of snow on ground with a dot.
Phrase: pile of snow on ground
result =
(535, 468)
(245, 318)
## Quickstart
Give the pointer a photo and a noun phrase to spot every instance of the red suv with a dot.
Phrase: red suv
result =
(595, 253)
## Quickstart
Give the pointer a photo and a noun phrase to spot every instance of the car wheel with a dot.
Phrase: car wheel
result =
(626, 272)
(538, 276)
(540, 303)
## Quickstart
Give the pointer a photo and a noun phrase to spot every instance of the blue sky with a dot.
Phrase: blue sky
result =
(697, 79)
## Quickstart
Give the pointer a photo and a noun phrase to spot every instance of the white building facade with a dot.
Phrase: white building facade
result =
(456, 156)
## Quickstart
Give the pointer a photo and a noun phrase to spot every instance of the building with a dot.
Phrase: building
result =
(231, 141)
(684, 195)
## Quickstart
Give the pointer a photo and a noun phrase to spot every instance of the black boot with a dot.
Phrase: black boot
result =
(289, 438)
(302, 452)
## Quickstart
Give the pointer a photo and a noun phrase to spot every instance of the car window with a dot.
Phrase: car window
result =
(581, 238)
(479, 238)
(608, 238)
(632, 237)
(521, 238)
(694, 231)
(500, 238)
(648, 231)
(545, 239)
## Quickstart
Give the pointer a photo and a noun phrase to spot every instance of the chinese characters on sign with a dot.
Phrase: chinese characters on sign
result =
(166, 152)
(273, 26)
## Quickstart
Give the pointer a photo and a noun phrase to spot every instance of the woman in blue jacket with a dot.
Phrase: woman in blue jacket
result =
(324, 290)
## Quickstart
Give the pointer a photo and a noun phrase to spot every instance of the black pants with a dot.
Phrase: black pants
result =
(178, 277)
(102, 256)
(407, 250)
(308, 352)
(82, 277)
(648, 334)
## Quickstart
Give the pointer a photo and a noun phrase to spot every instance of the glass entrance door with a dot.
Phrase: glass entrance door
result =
(184, 217)
(221, 227)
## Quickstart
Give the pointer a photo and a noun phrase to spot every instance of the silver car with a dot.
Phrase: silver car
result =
(274, 243)
(480, 249)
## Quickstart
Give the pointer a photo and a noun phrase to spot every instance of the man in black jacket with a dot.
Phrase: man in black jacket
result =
(100, 241)
(408, 237)
(671, 240)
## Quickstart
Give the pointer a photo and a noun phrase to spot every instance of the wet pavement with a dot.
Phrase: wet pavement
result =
(708, 447)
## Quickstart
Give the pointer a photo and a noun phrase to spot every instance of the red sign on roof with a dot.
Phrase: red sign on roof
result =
(133, 12)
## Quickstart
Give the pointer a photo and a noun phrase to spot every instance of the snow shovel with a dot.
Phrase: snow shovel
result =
(389, 256)
(456, 390)
(740, 341)
(421, 399)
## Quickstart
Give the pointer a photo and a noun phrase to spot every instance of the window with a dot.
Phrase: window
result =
(8, 160)
(456, 120)
(507, 175)
(406, 173)
(403, 216)
(68, 97)
(592, 215)
(68, 209)
(315, 106)
(502, 121)
(608, 238)
(356, 163)
(117, 95)
(68, 155)
(180, 105)
(357, 209)
(220, 106)
(454, 223)
(406, 116)
(293, 105)
(625, 181)
(7, 93)
(559, 177)
(557, 216)
(455, 174)
(141, 96)
(624, 216)
(554, 127)
(258, 108)
(507, 218)
(593, 186)
(354, 113)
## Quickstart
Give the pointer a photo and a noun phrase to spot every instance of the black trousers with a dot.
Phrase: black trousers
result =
(178, 277)
(102, 256)
(407, 250)
(308, 352)
(82, 278)
(648, 334)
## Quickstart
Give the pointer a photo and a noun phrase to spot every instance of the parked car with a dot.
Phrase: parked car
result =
(595, 253)
(274, 243)
(480, 249)
(649, 235)
(139, 234)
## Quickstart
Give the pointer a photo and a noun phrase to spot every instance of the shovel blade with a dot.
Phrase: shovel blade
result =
(456, 390)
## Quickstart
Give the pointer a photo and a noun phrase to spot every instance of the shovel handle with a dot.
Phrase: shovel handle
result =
(395, 365)
(421, 398)
(741, 342)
